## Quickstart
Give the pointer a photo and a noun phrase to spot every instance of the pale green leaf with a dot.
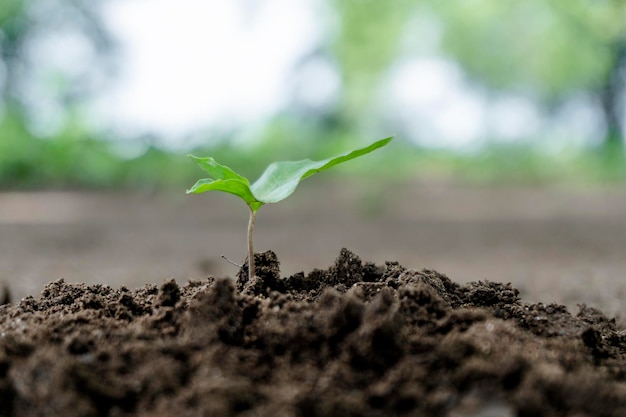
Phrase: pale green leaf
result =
(281, 179)
(216, 170)
(232, 186)
(224, 179)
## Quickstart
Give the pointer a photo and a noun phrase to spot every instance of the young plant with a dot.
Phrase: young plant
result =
(278, 181)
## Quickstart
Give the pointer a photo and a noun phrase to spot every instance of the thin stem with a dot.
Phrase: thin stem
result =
(231, 262)
(251, 270)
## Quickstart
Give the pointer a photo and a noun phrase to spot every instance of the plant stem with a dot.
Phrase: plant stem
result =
(251, 270)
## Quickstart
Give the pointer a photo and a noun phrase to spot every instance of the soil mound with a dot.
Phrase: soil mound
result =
(357, 339)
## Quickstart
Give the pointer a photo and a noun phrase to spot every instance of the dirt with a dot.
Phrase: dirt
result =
(356, 339)
(554, 244)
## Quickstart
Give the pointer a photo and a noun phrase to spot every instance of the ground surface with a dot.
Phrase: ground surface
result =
(560, 245)
(357, 339)
(352, 335)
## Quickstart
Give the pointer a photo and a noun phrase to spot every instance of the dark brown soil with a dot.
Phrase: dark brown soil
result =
(357, 339)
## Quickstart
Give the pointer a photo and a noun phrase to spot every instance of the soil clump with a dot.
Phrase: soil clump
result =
(356, 339)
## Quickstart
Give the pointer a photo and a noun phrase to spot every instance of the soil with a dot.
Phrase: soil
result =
(356, 339)
(554, 244)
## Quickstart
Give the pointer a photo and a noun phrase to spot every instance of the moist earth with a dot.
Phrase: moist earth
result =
(356, 339)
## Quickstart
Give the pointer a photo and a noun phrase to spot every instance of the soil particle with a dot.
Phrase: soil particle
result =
(267, 277)
(356, 339)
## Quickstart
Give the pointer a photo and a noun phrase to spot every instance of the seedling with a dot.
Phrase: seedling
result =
(278, 181)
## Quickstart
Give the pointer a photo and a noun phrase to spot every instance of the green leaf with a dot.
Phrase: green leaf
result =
(224, 179)
(218, 171)
(281, 179)
(278, 182)
(233, 186)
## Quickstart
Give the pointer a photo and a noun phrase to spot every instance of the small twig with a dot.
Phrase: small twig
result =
(231, 262)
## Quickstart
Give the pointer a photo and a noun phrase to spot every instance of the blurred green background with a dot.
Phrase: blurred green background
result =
(479, 91)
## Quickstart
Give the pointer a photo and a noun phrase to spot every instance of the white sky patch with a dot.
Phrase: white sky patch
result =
(52, 61)
(431, 99)
(578, 123)
(317, 84)
(513, 118)
(191, 64)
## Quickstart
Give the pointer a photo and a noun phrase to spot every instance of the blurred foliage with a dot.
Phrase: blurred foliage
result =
(365, 44)
(74, 159)
(550, 50)
(547, 49)
(28, 81)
